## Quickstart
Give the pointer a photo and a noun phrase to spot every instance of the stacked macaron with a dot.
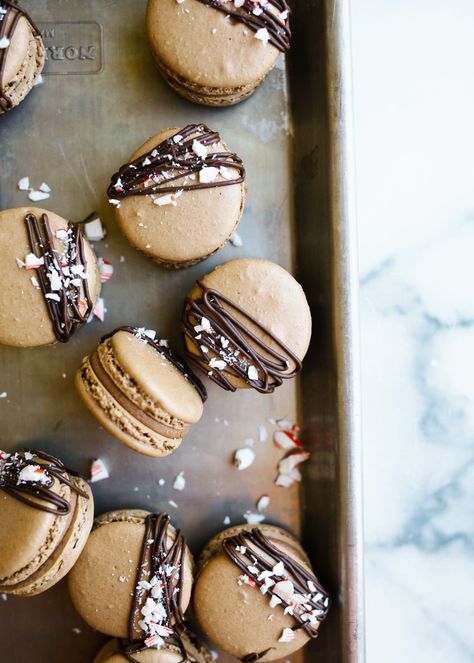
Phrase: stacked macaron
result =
(22, 54)
(46, 514)
(216, 52)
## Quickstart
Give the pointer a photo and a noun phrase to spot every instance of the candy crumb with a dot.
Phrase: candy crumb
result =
(99, 470)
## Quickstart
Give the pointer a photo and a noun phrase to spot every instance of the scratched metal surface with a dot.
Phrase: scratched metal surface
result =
(100, 99)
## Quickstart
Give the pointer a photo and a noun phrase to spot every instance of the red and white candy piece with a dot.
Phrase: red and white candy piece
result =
(289, 463)
(23, 184)
(287, 635)
(106, 270)
(33, 262)
(154, 641)
(286, 440)
(168, 199)
(243, 458)
(98, 470)
(99, 309)
(95, 230)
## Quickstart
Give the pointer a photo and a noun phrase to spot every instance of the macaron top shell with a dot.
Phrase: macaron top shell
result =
(157, 377)
(238, 617)
(104, 579)
(201, 45)
(200, 223)
(28, 535)
(269, 294)
(18, 48)
(24, 318)
(167, 653)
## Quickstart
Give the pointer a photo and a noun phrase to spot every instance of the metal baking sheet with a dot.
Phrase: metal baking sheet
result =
(101, 97)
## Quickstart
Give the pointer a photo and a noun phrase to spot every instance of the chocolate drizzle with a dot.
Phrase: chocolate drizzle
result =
(223, 344)
(167, 353)
(48, 469)
(162, 565)
(255, 554)
(258, 14)
(65, 303)
(168, 167)
(7, 31)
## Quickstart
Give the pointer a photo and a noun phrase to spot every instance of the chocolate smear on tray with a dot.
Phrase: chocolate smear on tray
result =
(156, 605)
(29, 476)
(10, 15)
(269, 15)
(177, 164)
(287, 583)
(61, 276)
(167, 353)
(225, 345)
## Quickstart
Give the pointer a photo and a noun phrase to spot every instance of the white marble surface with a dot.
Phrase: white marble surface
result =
(414, 115)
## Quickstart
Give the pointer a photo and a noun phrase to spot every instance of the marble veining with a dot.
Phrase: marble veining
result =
(414, 106)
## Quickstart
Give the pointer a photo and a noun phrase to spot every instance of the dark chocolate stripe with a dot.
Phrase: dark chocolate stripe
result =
(65, 314)
(18, 12)
(278, 28)
(173, 357)
(51, 502)
(155, 556)
(168, 162)
(128, 405)
(258, 553)
(244, 347)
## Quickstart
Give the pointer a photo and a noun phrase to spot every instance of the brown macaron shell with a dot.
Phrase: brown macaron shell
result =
(38, 548)
(138, 395)
(168, 653)
(205, 56)
(269, 294)
(236, 617)
(103, 581)
(179, 236)
(24, 61)
(24, 318)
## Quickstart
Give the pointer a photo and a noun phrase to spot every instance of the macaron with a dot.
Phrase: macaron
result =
(181, 195)
(247, 324)
(134, 577)
(46, 514)
(215, 52)
(191, 650)
(141, 391)
(49, 276)
(256, 596)
(22, 54)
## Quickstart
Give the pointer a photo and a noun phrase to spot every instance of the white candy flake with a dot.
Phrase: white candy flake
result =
(179, 482)
(263, 35)
(243, 458)
(99, 470)
(199, 149)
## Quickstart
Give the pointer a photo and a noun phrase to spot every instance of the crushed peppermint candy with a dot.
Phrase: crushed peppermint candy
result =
(95, 230)
(3, 394)
(33, 473)
(263, 503)
(4, 43)
(99, 470)
(208, 174)
(236, 240)
(99, 309)
(179, 482)
(254, 518)
(106, 270)
(226, 520)
(243, 458)
(286, 440)
(168, 199)
(23, 184)
(173, 504)
(36, 196)
(263, 35)
(199, 149)
(287, 635)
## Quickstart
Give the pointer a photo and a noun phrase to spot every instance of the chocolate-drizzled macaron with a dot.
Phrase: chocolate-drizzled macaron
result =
(46, 514)
(141, 391)
(134, 578)
(247, 324)
(181, 196)
(22, 54)
(256, 595)
(216, 52)
(49, 278)
(190, 650)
